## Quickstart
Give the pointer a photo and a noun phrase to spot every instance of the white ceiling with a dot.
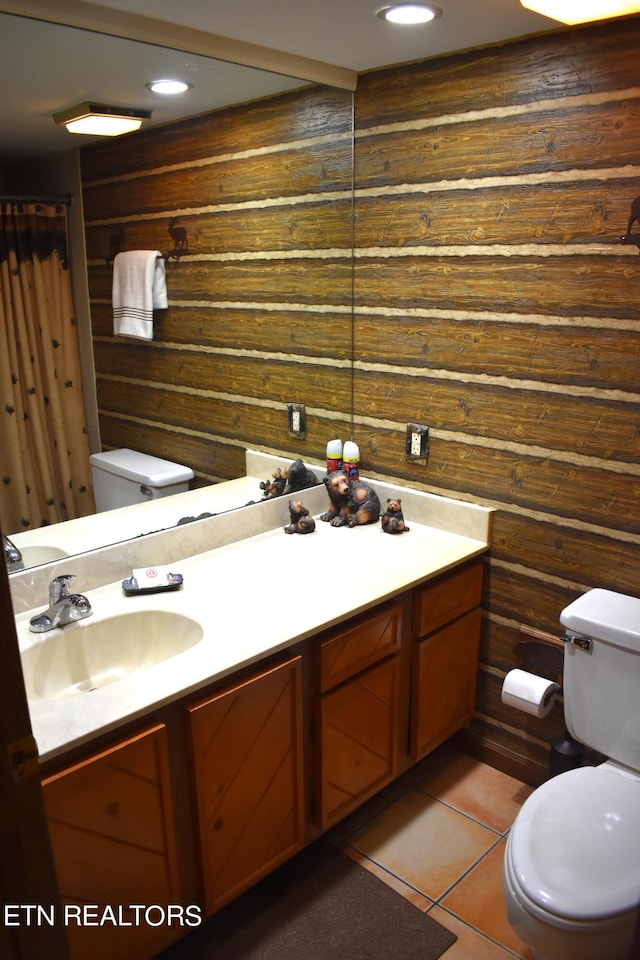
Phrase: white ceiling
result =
(347, 32)
(46, 67)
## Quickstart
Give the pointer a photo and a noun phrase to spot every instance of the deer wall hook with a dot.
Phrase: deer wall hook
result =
(180, 241)
(634, 216)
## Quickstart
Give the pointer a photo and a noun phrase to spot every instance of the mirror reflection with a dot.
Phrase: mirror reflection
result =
(250, 208)
(67, 66)
(131, 510)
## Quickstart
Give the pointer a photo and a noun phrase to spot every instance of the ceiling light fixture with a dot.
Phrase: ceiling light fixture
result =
(582, 11)
(410, 14)
(100, 120)
(169, 87)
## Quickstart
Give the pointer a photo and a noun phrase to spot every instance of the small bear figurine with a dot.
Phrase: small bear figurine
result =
(292, 479)
(301, 519)
(275, 486)
(392, 519)
(351, 502)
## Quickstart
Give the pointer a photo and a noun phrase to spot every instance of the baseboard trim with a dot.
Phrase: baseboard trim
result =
(523, 770)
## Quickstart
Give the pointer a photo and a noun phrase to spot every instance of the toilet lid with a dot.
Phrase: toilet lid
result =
(575, 846)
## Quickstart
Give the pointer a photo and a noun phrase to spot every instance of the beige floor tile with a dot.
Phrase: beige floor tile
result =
(413, 896)
(478, 790)
(479, 901)
(470, 944)
(423, 842)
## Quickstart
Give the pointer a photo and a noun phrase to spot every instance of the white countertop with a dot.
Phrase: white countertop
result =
(254, 597)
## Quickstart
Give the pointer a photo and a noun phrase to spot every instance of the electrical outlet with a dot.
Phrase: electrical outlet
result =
(417, 443)
(297, 419)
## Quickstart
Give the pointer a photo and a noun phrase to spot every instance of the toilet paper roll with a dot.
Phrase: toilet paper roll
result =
(527, 692)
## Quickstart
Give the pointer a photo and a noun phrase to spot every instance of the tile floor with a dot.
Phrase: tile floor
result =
(437, 836)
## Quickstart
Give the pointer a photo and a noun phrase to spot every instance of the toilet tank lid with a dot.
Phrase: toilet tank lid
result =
(141, 467)
(605, 615)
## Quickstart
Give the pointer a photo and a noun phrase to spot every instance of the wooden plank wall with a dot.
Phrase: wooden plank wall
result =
(252, 207)
(495, 303)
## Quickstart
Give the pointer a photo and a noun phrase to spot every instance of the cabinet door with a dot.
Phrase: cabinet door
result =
(444, 682)
(112, 833)
(357, 754)
(247, 755)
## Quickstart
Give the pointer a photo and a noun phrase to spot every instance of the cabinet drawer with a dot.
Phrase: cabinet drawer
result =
(446, 598)
(369, 640)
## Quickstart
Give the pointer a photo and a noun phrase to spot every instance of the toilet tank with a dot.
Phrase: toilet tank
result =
(601, 684)
(124, 477)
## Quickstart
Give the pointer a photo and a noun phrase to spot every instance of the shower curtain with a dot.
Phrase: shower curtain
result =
(45, 474)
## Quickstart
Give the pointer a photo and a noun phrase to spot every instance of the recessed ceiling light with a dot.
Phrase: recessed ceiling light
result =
(410, 13)
(581, 11)
(169, 86)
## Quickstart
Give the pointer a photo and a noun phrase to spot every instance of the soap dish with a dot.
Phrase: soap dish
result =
(168, 581)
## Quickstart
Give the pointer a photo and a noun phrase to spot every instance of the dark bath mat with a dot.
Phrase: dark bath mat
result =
(321, 905)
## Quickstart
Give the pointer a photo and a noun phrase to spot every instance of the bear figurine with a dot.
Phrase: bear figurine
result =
(392, 519)
(297, 476)
(301, 519)
(351, 502)
(275, 486)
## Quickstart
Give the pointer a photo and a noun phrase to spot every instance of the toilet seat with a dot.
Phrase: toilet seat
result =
(592, 815)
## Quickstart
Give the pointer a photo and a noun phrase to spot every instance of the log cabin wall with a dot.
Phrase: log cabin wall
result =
(493, 302)
(252, 208)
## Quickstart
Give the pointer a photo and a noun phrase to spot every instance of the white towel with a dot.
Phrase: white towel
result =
(139, 288)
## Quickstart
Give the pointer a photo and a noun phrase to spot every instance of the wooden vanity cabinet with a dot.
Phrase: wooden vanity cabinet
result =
(446, 622)
(382, 691)
(112, 833)
(357, 712)
(248, 767)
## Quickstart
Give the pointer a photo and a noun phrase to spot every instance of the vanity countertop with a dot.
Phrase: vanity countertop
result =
(256, 596)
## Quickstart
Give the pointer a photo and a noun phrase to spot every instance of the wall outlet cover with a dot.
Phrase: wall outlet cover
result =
(417, 442)
(297, 420)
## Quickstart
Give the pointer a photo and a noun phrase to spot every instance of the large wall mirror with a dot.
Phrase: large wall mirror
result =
(257, 167)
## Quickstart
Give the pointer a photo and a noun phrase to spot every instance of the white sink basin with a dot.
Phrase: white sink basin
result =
(34, 556)
(90, 654)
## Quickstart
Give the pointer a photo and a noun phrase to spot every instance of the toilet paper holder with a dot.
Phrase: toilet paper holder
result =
(543, 653)
(540, 653)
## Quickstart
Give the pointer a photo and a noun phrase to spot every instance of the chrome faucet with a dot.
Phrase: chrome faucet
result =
(64, 607)
(12, 555)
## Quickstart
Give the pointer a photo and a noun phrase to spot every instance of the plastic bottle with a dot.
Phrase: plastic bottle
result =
(351, 460)
(334, 456)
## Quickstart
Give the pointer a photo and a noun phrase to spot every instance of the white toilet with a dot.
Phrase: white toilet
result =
(572, 863)
(124, 477)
